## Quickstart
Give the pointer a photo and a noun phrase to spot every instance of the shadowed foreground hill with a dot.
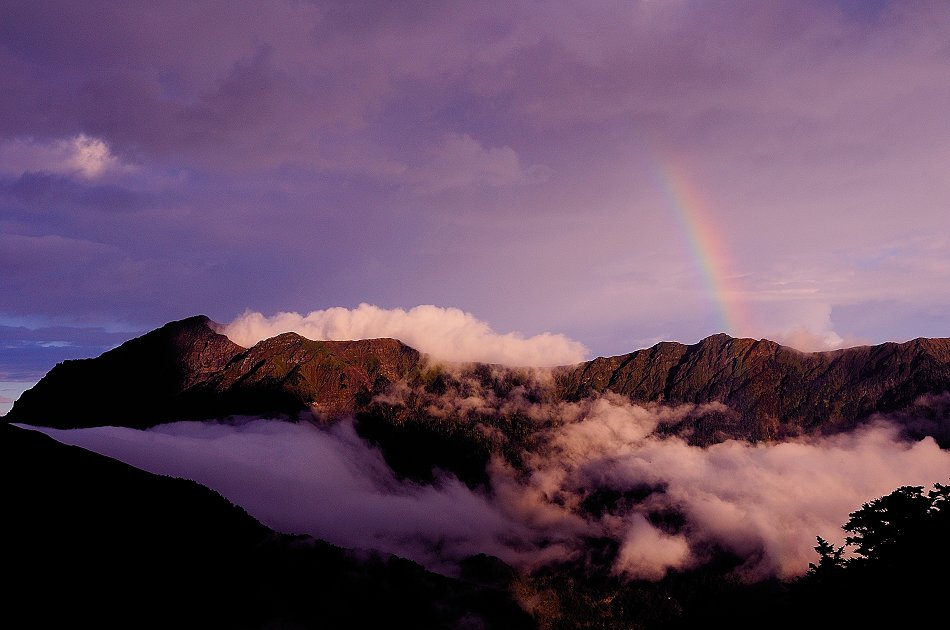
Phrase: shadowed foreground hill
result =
(90, 542)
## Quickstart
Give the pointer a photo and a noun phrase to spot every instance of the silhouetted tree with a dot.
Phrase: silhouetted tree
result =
(887, 529)
(830, 558)
(906, 526)
(900, 546)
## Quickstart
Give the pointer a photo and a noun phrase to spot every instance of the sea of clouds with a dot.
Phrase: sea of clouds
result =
(763, 502)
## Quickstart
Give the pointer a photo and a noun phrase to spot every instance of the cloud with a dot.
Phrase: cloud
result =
(29, 353)
(796, 316)
(299, 478)
(82, 156)
(647, 553)
(449, 334)
(928, 416)
(297, 132)
(79, 271)
(806, 340)
(601, 469)
(461, 161)
(810, 340)
(764, 502)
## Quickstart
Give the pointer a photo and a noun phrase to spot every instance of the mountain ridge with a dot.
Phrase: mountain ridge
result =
(782, 390)
(187, 370)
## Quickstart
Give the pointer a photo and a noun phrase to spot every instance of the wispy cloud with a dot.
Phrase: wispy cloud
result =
(82, 156)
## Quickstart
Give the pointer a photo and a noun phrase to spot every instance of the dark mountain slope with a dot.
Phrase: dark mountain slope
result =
(87, 541)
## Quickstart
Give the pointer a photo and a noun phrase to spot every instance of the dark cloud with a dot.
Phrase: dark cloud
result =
(511, 160)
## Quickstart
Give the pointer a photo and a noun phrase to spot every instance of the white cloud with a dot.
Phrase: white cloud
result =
(80, 155)
(648, 553)
(806, 340)
(449, 334)
(765, 502)
(800, 320)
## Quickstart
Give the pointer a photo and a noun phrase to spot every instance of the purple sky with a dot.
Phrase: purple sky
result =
(617, 172)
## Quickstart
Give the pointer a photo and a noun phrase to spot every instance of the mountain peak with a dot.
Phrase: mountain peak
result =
(187, 370)
(135, 380)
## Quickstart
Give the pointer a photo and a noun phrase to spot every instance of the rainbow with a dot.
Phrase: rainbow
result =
(705, 243)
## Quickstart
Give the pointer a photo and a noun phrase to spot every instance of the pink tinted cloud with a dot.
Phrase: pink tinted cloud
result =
(447, 334)
(79, 155)
(764, 502)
